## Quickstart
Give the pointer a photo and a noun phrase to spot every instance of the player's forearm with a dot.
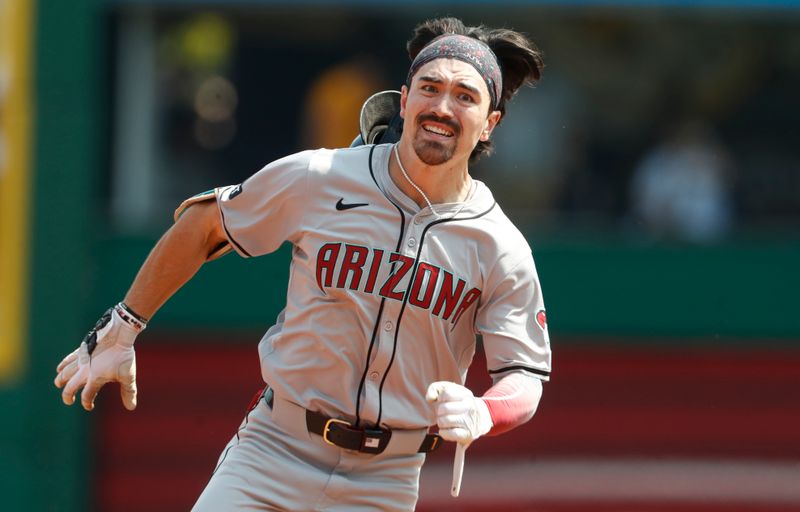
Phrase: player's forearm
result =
(512, 401)
(177, 257)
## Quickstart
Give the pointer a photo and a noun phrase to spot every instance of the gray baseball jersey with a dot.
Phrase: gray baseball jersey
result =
(384, 298)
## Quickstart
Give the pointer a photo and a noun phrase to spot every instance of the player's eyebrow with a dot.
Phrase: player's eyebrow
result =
(462, 85)
(432, 79)
(467, 87)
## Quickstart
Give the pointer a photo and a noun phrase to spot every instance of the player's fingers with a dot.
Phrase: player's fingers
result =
(453, 407)
(451, 421)
(65, 374)
(90, 393)
(456, 435)
(435, 390)
(75, 383)
(72, 357)
(453, 393)
(78, 380)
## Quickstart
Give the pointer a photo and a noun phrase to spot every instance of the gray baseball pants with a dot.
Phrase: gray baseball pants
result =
(274, 463)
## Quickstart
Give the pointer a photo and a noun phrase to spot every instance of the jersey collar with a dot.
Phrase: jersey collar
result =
(478, 201)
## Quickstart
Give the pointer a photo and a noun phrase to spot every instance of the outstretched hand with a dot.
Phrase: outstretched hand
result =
(105, 355)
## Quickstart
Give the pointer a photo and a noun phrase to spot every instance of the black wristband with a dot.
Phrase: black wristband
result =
(133, 314)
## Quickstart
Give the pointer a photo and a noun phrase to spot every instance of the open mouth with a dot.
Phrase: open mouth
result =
(437, 130)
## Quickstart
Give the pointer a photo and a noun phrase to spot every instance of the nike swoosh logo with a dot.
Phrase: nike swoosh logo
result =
(341, 206)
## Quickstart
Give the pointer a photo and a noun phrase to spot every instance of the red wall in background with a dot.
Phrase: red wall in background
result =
(602, 402)
(631, 401)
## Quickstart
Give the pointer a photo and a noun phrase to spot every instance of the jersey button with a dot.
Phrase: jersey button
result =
(374, 375)
(417, 221)
(412, 242)
(387, 326)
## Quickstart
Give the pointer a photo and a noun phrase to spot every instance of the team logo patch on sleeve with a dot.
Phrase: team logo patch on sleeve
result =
(235, 192)
(541, 319)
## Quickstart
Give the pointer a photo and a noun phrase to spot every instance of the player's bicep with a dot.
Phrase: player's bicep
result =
(203, 216)
(201, 212)
(218, 244)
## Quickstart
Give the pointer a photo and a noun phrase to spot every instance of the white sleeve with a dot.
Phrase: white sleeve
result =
(267, 208)
(513, 322)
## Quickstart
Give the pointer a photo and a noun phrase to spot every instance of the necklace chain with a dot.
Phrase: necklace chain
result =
(405, 174)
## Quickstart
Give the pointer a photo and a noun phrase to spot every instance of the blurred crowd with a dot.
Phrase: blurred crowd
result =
(663, 125)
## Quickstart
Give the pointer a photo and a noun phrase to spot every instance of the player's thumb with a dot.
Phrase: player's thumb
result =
(435, 390)
(127, 385)
(127, 390)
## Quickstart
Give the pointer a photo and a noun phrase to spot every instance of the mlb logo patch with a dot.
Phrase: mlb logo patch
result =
(372, 442)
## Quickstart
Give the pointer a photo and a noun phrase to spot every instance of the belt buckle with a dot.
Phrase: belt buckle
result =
(327, 429)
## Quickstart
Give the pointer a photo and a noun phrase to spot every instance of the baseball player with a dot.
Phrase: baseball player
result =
(399, 259)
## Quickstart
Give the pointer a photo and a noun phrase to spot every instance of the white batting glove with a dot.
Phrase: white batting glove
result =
(461, 416)
(105, 355)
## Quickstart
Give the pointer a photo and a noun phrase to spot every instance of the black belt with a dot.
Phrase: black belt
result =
(344, 435)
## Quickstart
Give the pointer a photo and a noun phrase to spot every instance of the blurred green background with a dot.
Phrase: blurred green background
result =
(654, 170)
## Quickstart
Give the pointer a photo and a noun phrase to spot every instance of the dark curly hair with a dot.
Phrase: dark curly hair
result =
(520, 59)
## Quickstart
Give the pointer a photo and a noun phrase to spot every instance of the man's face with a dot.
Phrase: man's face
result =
(446, 111)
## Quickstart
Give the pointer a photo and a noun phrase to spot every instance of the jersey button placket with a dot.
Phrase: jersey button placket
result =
(380, 362)
(383, 358)
(412, 238)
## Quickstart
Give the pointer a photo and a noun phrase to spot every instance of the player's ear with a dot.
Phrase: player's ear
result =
(403, 100)
(491, 122)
